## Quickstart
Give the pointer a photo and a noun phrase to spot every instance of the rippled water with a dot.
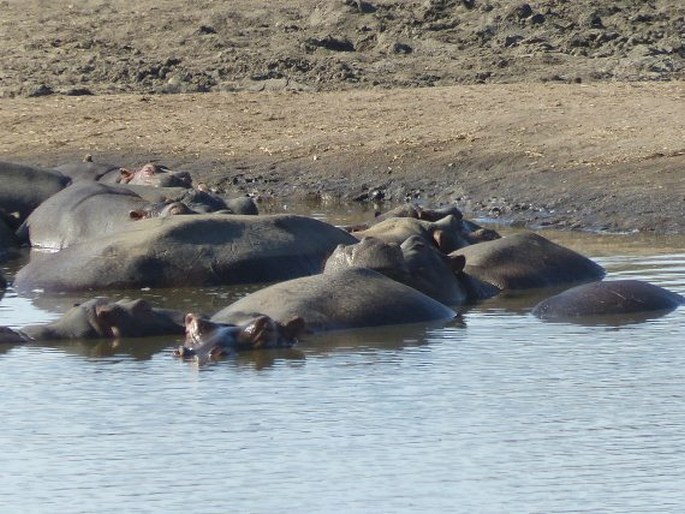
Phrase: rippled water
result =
(497, 412)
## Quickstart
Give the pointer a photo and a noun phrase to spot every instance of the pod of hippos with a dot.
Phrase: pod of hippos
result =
(111, 227)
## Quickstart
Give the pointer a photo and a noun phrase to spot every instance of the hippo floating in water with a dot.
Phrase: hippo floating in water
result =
(23, 188)
(12, 337)
(525, 261)
(207, 339)
(606, 299)
(200, 250)
(338, 300)
(102, 318)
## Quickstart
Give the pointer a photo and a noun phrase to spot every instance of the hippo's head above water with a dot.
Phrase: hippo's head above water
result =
(155, 175)
(207, 340)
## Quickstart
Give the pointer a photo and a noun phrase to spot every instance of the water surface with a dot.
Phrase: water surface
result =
(494, 412)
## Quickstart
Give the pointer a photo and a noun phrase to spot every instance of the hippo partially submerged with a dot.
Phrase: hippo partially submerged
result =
(207, 339)
(102, 318)
(606, 299)
(415, 263)
(526, 261)
(339, 300)
(200, 250)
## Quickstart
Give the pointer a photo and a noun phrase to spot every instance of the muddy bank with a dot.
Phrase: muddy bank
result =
(548, 113)
(600, 156)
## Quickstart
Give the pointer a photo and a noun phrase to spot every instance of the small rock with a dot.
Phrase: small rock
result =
(40, 90)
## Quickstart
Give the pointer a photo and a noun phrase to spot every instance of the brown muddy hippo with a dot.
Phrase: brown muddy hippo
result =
(86, 210)
(155, 175)
(23, 188)
(525, 261)
(199, 250)
(608, 298)
(207, 339)
(102, 318)
(415, 263)
(338, 300)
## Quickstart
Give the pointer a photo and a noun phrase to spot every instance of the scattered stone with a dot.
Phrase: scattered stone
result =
(40, 90)
(329, 43)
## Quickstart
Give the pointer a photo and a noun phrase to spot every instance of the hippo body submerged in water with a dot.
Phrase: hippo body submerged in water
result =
(525, 261)
(200, 250)
(609, 300)
(415, 263)
(101, 318)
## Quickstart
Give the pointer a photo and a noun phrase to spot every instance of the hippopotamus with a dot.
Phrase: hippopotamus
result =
(338, 300)
(199, 250)
(525, 261)
(102, 318)
(199, 199)
(608, 298)
(23, 188)
(11, 336)
(206, 339)
(415, 263)
(89, 209)
(447, 234)
(155, 175)
(413, 210)
(89, 170)
(8, 240)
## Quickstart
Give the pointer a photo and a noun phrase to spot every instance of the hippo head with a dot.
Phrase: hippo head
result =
(155, 175)
(207, 340)
(131, 318)
(370, 253)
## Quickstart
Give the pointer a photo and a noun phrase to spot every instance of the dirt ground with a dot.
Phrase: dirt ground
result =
(551, 113)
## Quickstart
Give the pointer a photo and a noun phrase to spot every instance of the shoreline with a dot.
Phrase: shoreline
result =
(603, 156)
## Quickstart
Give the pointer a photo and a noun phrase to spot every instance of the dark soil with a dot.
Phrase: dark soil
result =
(551, 113)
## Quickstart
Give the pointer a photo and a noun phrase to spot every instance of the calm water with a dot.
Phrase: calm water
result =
(497, 412)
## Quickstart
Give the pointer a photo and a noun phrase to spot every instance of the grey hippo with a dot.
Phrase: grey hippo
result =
(101, 318)
(199, 250)
(23, 188)
(607, 299)
(525, 261)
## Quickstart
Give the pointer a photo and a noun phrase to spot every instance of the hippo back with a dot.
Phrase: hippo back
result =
(23, 188)
(526, 261)
(608, 298)
(339, 300)
(206, 249)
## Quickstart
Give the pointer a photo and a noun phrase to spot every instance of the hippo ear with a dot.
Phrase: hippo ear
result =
(136, 214)
(125, 176)
(457, 262)
(440, 239)
(293, 328)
